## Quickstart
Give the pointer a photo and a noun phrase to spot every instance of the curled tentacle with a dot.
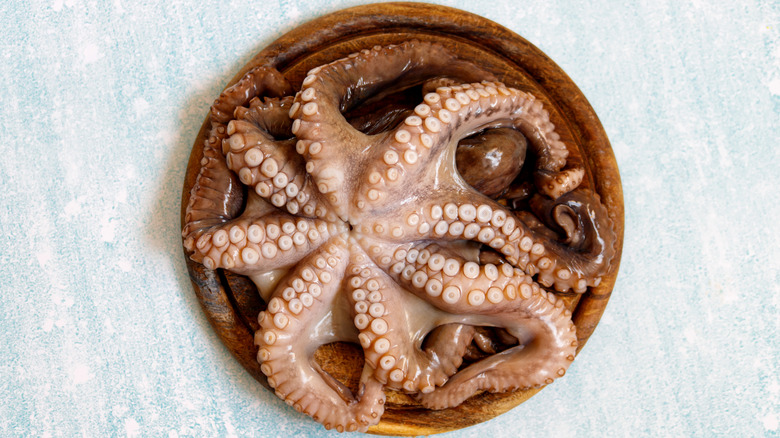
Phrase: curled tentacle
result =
(532, 248)
(376, 115)
(589, 238)
(299, 304)
(493, 296)
(329, 143)
(447, 345)
(215, 196)
(555, 184)
(256, 82)
(426, 141)
(484, 342)
(547, 346)
(269, 114)
(383, 315)
(342, 84)
(273, 169)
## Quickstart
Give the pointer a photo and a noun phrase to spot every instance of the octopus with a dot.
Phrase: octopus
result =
(436, 231)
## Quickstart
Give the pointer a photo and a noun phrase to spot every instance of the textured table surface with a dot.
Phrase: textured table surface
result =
(101, 334)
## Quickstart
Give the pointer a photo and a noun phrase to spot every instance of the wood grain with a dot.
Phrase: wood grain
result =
(231, 302)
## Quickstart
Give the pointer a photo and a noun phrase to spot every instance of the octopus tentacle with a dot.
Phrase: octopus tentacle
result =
(329, 143)
(497, 296)
(556, 184)
(215, 195)
(452, 283)
(382, 315)
(452, 113)
(375, 115)
(332, 89)
(299, 303)
(256, 241)
(326, 140)
(274, 169)
(269, 114)
(258, 81)
(531, 249)
(447, 344)
(547, 347)
(590, 240)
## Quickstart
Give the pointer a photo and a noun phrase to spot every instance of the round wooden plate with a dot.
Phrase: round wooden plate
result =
(232, 303)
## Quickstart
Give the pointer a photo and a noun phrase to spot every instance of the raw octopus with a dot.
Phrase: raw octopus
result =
(404, 200)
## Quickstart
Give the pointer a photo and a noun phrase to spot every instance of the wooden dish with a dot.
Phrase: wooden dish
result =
(232, 303)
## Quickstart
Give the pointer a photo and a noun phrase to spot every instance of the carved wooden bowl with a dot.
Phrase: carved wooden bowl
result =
(232, 303)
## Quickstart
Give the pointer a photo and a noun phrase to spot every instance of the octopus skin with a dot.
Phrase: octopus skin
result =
(358, 226)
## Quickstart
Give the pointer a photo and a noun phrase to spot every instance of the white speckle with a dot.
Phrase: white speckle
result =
(121, 196)
(48, 324)
(293, 12)
(128, 172)
(140, 106)
(119, 410)
(131, 427)
(67, 301)
(774, 387)
(143, 384)
(124, 265)
(598, 47)
(57, 5)
(167, 137)
(109, 327)
(44, 256)
(107, 229)
(729, 296)
(690, 334)
(81, 374)
(770, 422)
(73, 207)
(774, 86)
(73, 164)
(91, 53)
(231, 430)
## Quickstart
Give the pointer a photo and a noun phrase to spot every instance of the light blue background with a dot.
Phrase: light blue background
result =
(101, 334)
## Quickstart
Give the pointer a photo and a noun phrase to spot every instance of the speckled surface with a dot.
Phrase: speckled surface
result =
(101, 335)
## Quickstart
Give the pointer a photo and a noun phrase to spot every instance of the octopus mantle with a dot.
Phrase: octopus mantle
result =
(374, 236)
